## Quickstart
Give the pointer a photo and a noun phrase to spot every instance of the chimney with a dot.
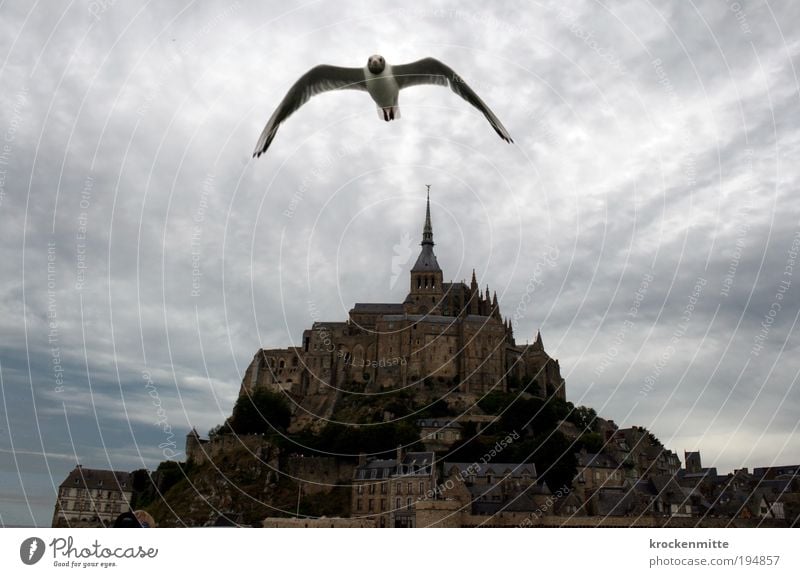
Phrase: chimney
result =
(399, 454)
(362, 459)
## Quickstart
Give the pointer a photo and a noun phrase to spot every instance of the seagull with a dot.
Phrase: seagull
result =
(382, 81)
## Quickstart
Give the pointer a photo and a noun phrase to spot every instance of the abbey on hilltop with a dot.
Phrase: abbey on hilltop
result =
(444, 334)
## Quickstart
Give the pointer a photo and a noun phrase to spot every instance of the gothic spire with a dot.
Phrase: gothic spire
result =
(538, 345)
(427, 230)
(426, 262)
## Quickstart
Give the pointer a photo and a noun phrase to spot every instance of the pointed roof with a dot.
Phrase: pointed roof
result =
(426, 261)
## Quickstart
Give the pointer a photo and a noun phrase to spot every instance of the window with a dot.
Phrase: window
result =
(360, 489)
(410, 488)
(372, 489)
(399, 502)
(359, 505)
(383, 488)
(371, 505)
(398, 488)
(383, 504)
(409, 501)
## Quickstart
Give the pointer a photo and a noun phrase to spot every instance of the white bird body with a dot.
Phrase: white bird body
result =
(382, 82)
(382, 87)
(385, 91)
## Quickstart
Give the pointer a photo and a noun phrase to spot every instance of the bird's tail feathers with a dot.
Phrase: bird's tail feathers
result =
(389, 113)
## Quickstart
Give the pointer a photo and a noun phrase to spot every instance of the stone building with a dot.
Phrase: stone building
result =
(640, 454)
(595, 471)
(448, 334)
(491, 488)
(387, 490)
(92, 498)
(439, 434)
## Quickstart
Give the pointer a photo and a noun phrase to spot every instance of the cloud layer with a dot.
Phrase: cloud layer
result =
(146, 256)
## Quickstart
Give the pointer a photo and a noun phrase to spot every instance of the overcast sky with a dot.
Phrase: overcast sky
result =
(645, 218)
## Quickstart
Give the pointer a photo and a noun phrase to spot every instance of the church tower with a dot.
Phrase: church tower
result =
(426, 293)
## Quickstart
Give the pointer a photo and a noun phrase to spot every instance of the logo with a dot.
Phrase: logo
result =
(31, 550)
(402, 254)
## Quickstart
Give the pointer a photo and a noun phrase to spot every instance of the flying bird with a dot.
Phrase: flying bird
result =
(382, 81)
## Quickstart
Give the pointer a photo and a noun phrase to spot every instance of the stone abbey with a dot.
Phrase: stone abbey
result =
(445, 335)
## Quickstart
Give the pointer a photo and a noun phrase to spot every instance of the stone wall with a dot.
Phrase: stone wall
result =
(318, 474)
(321, 523)
(214, 448)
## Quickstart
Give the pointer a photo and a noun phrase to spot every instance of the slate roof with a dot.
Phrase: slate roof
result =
(441, 423)
(597, 460)
(426, 261)
(417, 463)
(510, 470)
(98, 479)
(378, 308)
(615, 503)
(776, 471)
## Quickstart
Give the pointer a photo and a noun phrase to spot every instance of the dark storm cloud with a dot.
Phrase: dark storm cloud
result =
(652, 143)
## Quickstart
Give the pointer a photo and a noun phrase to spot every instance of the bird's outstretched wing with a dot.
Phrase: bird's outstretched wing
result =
(319, 79)
(432, 71)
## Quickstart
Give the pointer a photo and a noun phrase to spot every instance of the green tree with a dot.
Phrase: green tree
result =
(260, 412)
(592, 442)
(585, 418)
(553, 455)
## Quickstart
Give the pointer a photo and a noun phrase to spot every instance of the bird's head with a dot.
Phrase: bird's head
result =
(376, 63)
